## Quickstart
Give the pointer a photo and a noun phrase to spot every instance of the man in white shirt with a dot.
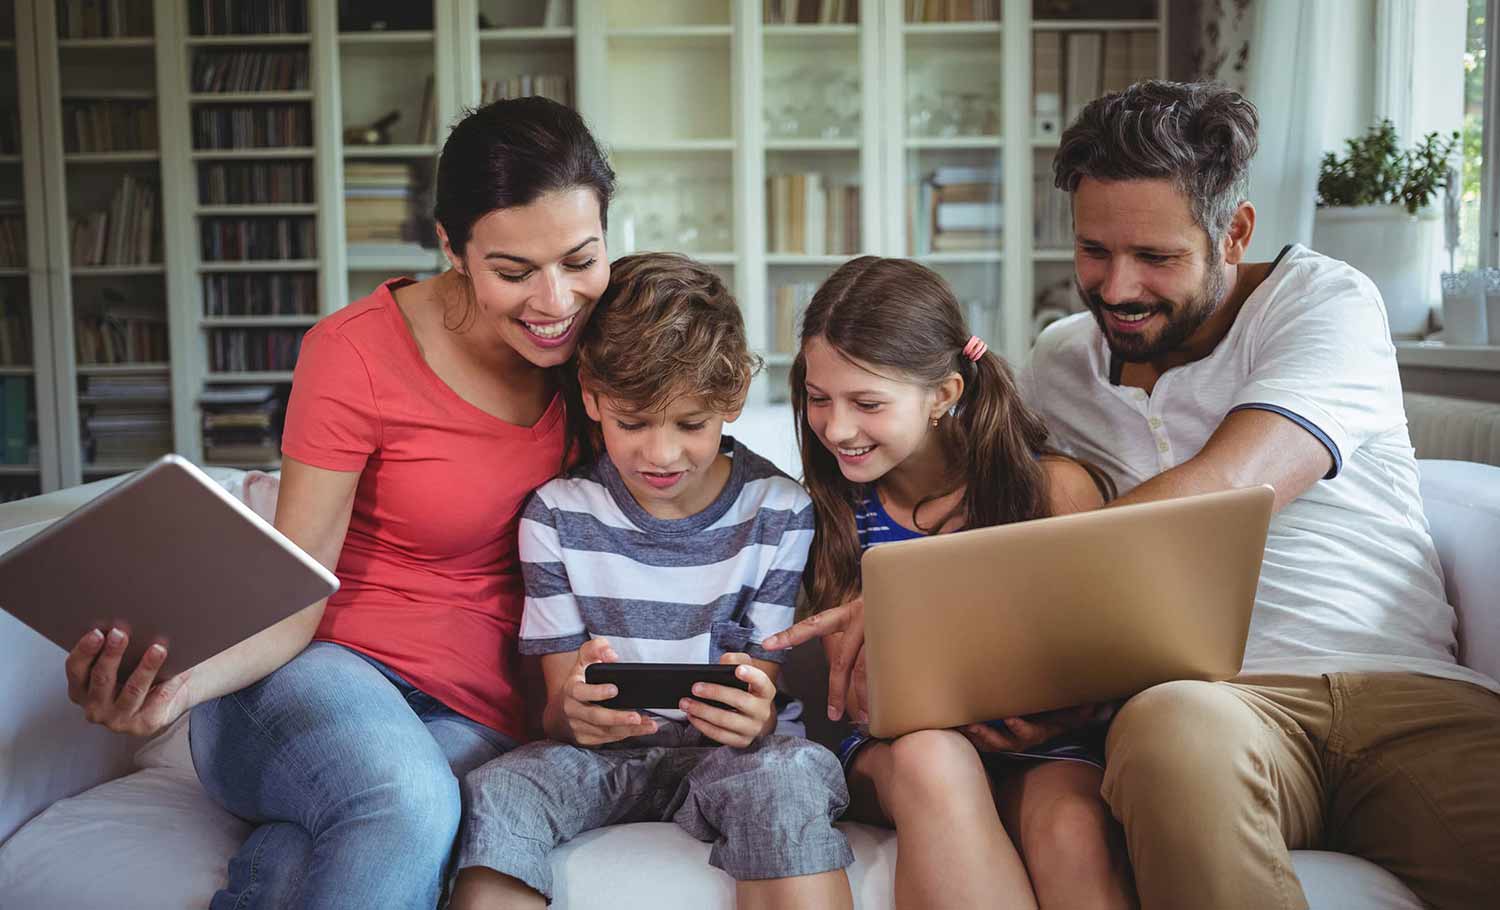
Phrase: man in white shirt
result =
(1352, 726)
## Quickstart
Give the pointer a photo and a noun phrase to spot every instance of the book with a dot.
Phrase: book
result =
(17, 411)
(1084, 61)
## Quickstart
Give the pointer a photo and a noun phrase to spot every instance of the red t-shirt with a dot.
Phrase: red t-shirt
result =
(431, 578)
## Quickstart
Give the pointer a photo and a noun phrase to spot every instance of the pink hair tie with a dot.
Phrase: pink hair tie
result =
(975, 348)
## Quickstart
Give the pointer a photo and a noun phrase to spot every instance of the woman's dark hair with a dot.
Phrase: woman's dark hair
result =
(900, 317)
(511, 153)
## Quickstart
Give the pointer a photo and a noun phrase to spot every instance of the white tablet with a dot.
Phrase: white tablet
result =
(166, 555)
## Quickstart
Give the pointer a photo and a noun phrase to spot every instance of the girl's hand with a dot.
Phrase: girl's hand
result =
(142, 706)
(1024, 733)
(844, 628)
(587, 723)
(754, 711)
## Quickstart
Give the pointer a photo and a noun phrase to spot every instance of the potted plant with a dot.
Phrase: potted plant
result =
(1375, 212)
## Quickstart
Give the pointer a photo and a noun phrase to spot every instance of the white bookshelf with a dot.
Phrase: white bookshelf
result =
(686, 97)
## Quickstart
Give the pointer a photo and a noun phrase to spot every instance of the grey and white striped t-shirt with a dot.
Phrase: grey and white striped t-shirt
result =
(672, 590)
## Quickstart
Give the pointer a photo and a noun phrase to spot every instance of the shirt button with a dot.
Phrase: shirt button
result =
(1155, 423)
(1161, 446)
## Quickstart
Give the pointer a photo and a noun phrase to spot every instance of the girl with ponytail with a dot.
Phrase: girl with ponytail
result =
(909, 426)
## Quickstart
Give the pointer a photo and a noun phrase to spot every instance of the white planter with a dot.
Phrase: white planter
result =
(1400, 252)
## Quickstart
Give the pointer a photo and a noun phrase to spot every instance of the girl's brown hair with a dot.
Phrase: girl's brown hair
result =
(900, 317)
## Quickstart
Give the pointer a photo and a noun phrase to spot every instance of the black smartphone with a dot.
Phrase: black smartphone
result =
(660, 685)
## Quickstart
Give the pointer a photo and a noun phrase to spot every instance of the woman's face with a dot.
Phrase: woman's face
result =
(536, 271)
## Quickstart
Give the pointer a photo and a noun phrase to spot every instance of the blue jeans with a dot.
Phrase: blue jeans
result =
(352, 776)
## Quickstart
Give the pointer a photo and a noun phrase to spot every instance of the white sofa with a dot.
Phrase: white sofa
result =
(88, 819)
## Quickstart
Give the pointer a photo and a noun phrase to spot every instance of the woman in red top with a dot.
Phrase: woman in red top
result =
(421, 418)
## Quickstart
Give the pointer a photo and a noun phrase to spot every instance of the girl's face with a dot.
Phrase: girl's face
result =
(869, 422)
(536, 271)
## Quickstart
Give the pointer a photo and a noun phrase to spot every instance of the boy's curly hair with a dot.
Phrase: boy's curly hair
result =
(665, 327)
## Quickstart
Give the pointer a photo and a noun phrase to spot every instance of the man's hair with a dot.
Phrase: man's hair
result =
(665, 327)
(1200, 136)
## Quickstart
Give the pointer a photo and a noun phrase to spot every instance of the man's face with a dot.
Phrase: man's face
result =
(1143, 265)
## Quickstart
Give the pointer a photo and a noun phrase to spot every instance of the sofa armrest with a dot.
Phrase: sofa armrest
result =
(1462, 503)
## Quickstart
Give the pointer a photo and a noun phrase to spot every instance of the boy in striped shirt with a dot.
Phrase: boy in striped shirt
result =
(678, 545)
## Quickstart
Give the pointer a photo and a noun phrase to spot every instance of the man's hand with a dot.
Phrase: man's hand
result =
(843, 631)
(753, 713)
(586, 723)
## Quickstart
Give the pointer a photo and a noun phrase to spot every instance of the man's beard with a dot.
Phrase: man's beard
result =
(1183, 318)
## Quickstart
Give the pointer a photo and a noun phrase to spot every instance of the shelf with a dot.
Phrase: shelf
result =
(261, 265)
(1438, 355)
(675, 33)
(111, 271)
(803, 259)
(122, 369)
(392, 257)
(241, 322)
(247, 97)
(271, 376)
(390, 151)
(113, 467)
(812, 145)
(131, 41)
(1052, 255)
(953, 142)
(17, 371)
(379, 38)
(283, 152)
(506, 35)
(19, 470)
(109, 94)
(715, 258)
(13, 272)
(951, 28)
(1095, 25)
(812, 30)
(674, 145)
(111, 157)
(232, 40)
(975, 257)
(778, 360)
(10, 159)
(265, 208)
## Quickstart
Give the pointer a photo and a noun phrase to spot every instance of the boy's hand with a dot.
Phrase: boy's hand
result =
(754, 711)
(587, 723)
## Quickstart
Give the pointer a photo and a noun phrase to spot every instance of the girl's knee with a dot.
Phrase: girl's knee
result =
(1073, 830)
(934, 766)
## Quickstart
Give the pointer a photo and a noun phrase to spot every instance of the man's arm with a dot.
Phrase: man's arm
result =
(1252, 446)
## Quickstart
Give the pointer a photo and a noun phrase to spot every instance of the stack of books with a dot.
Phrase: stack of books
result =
(250, 71)
(1052, 215)
(253, 350)
(260, 126)
(260, 294)
(12, 235)
(103, 18)
(805, 215)
(377, 201)
(952, 10)
(809, 12)
(956, 209)
(125, 234)
(247, 17)
(126, 418)
(255, 183)
(240, 425)
(1079, 66)
(122, 334)
(262, 238)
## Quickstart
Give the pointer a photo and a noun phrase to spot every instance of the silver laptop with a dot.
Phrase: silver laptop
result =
(166, 555)
(1029, 617)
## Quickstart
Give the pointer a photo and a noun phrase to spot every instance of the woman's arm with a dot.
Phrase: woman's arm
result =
(312, 510)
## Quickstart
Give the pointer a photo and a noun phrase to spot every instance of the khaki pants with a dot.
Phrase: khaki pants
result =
(1216, 782)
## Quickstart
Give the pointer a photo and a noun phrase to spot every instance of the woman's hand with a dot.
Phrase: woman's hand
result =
(1021, 734)
(140, 707)
(586, 723)
(753, 714)
(842, 629)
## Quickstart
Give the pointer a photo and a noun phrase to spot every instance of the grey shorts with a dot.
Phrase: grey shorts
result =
(768, 810)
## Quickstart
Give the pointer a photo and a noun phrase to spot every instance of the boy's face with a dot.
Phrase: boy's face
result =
(668, 458)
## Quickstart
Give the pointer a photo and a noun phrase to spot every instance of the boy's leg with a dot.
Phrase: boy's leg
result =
(526, 802)
(769, 811)
(1413, 784)
(1214, 784)
(1073, 849)
(951, 849)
